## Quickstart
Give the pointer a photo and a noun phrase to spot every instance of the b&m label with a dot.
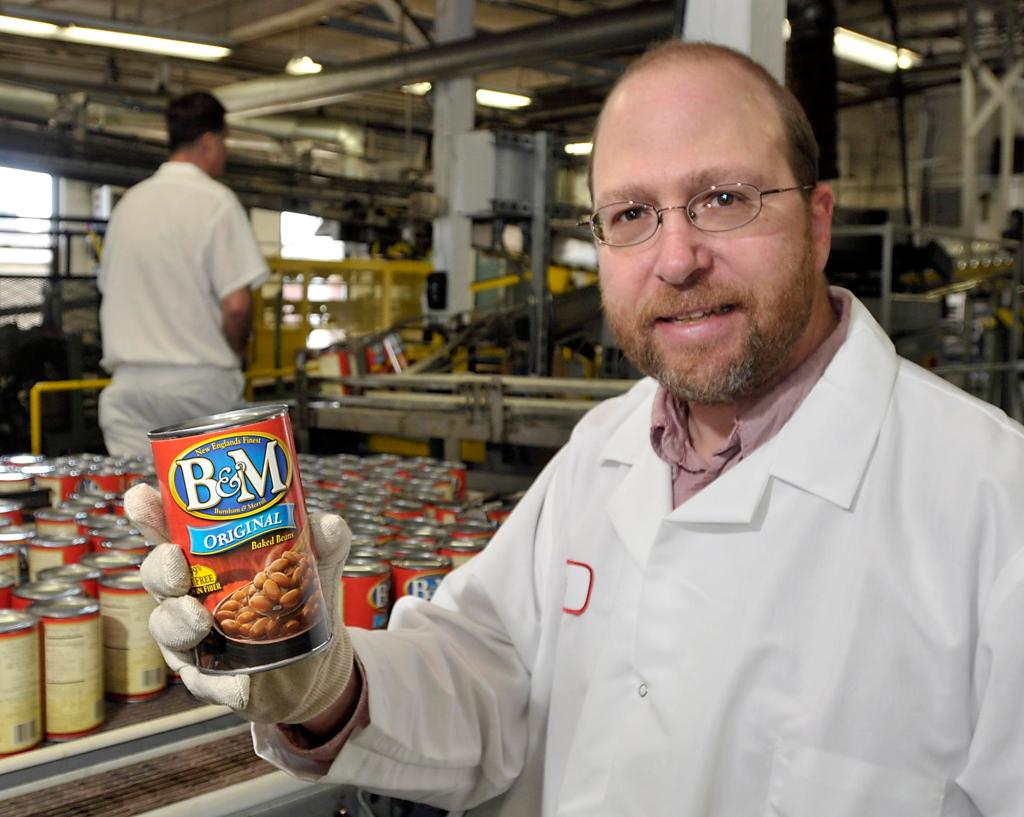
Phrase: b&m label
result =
(234, 504)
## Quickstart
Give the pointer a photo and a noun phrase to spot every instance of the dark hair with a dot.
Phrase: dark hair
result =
(190, 116)
(800, 145)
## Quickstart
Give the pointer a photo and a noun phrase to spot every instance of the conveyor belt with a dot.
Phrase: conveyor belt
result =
(139, 787)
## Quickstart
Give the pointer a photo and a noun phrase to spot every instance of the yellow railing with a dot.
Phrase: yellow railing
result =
(35, 403)
(35, 396)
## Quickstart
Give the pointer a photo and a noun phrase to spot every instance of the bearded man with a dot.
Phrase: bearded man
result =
(782, 575)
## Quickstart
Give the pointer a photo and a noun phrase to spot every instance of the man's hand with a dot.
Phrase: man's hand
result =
(290, 694)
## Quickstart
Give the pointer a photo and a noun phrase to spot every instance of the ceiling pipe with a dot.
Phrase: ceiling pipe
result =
(562, 39)
(29, 102)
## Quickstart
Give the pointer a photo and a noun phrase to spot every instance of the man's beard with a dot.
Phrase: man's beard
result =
(776, 319)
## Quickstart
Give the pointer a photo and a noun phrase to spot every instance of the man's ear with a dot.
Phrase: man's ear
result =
(822, 205)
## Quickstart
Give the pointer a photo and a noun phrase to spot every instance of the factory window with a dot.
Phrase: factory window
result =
(309, 237)
(26, 204)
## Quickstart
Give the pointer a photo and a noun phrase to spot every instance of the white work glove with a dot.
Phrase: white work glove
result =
(290, 694)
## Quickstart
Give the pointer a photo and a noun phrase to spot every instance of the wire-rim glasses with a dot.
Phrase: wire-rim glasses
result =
(720, 208)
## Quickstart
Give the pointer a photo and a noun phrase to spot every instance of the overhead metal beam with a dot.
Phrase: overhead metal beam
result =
(561, 39)
(284, 21)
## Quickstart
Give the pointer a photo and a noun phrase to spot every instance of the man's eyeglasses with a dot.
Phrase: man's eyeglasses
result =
(720, 208)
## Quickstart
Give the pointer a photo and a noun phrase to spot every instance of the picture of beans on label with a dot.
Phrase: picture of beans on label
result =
(282, 600)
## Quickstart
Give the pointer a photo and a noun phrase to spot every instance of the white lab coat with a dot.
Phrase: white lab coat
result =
(830, 629)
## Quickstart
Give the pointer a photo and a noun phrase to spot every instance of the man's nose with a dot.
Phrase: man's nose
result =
(682, 248)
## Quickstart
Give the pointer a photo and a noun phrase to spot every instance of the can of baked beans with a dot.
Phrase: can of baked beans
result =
(10, 562)
(55, 523)
(6, 584)
(25, 595)
(72, 666)
(62, 482)
(15, 482)
(233, 501)
(365, 593)
(130, 543)
(13, 512)
(418, 576)
(133, 667)
(461, 551)
(111, 561)
(43, 553)
(21, 701)
(102, 481)
(467, 530)
(85, 576)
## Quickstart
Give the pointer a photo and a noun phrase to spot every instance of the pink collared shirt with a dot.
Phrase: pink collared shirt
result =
(670, 434)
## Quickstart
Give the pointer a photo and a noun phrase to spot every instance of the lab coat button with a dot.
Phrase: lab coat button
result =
(642, 690)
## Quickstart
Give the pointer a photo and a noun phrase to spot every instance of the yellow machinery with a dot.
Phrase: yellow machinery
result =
(339, 299)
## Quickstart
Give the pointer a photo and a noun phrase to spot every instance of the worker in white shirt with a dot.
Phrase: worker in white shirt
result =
(783, 575)
(179, 262)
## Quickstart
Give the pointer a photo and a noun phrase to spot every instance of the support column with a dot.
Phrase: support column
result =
(454, 109)
(751, 26)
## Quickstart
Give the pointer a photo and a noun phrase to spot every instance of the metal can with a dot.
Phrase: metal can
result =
(43, 553)
(234, 503)
(468, 530)
(365, 593)
(458, 471)
(13, 512)
(21, 700)
(21, 459)
(130, 543)
(418, 576)
(15, 482)
(85, 576)
(72, 666)
(10, 563)
(102, 481)
(55, 523)
(461, 551)
(111, 561)
(25, 595)
(6, 584)
(133, 667)
(62, 482)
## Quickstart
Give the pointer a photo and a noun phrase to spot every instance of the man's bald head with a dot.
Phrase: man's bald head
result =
(799, 144)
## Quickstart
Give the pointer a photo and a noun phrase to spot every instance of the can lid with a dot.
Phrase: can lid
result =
(9, 506)
(47, 589)
(11, 621)
(113, 559)
(65, 607)
(74, 572)
(364, 567)
(6, 580)
(217, 422)
(13, 535)
(424, 562)
(130, 580)
(45, 542)
(463, 545)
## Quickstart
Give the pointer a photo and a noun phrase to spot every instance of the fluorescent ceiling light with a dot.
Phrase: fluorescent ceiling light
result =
(31, 28)
(859, 48)
(142, 42)
(484, 96)
(417, 88)
(110, 38)
(303, 65)
(849, 45)
(501, 99)
(579, 148)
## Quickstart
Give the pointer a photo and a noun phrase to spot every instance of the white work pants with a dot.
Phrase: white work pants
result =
(144, 397)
